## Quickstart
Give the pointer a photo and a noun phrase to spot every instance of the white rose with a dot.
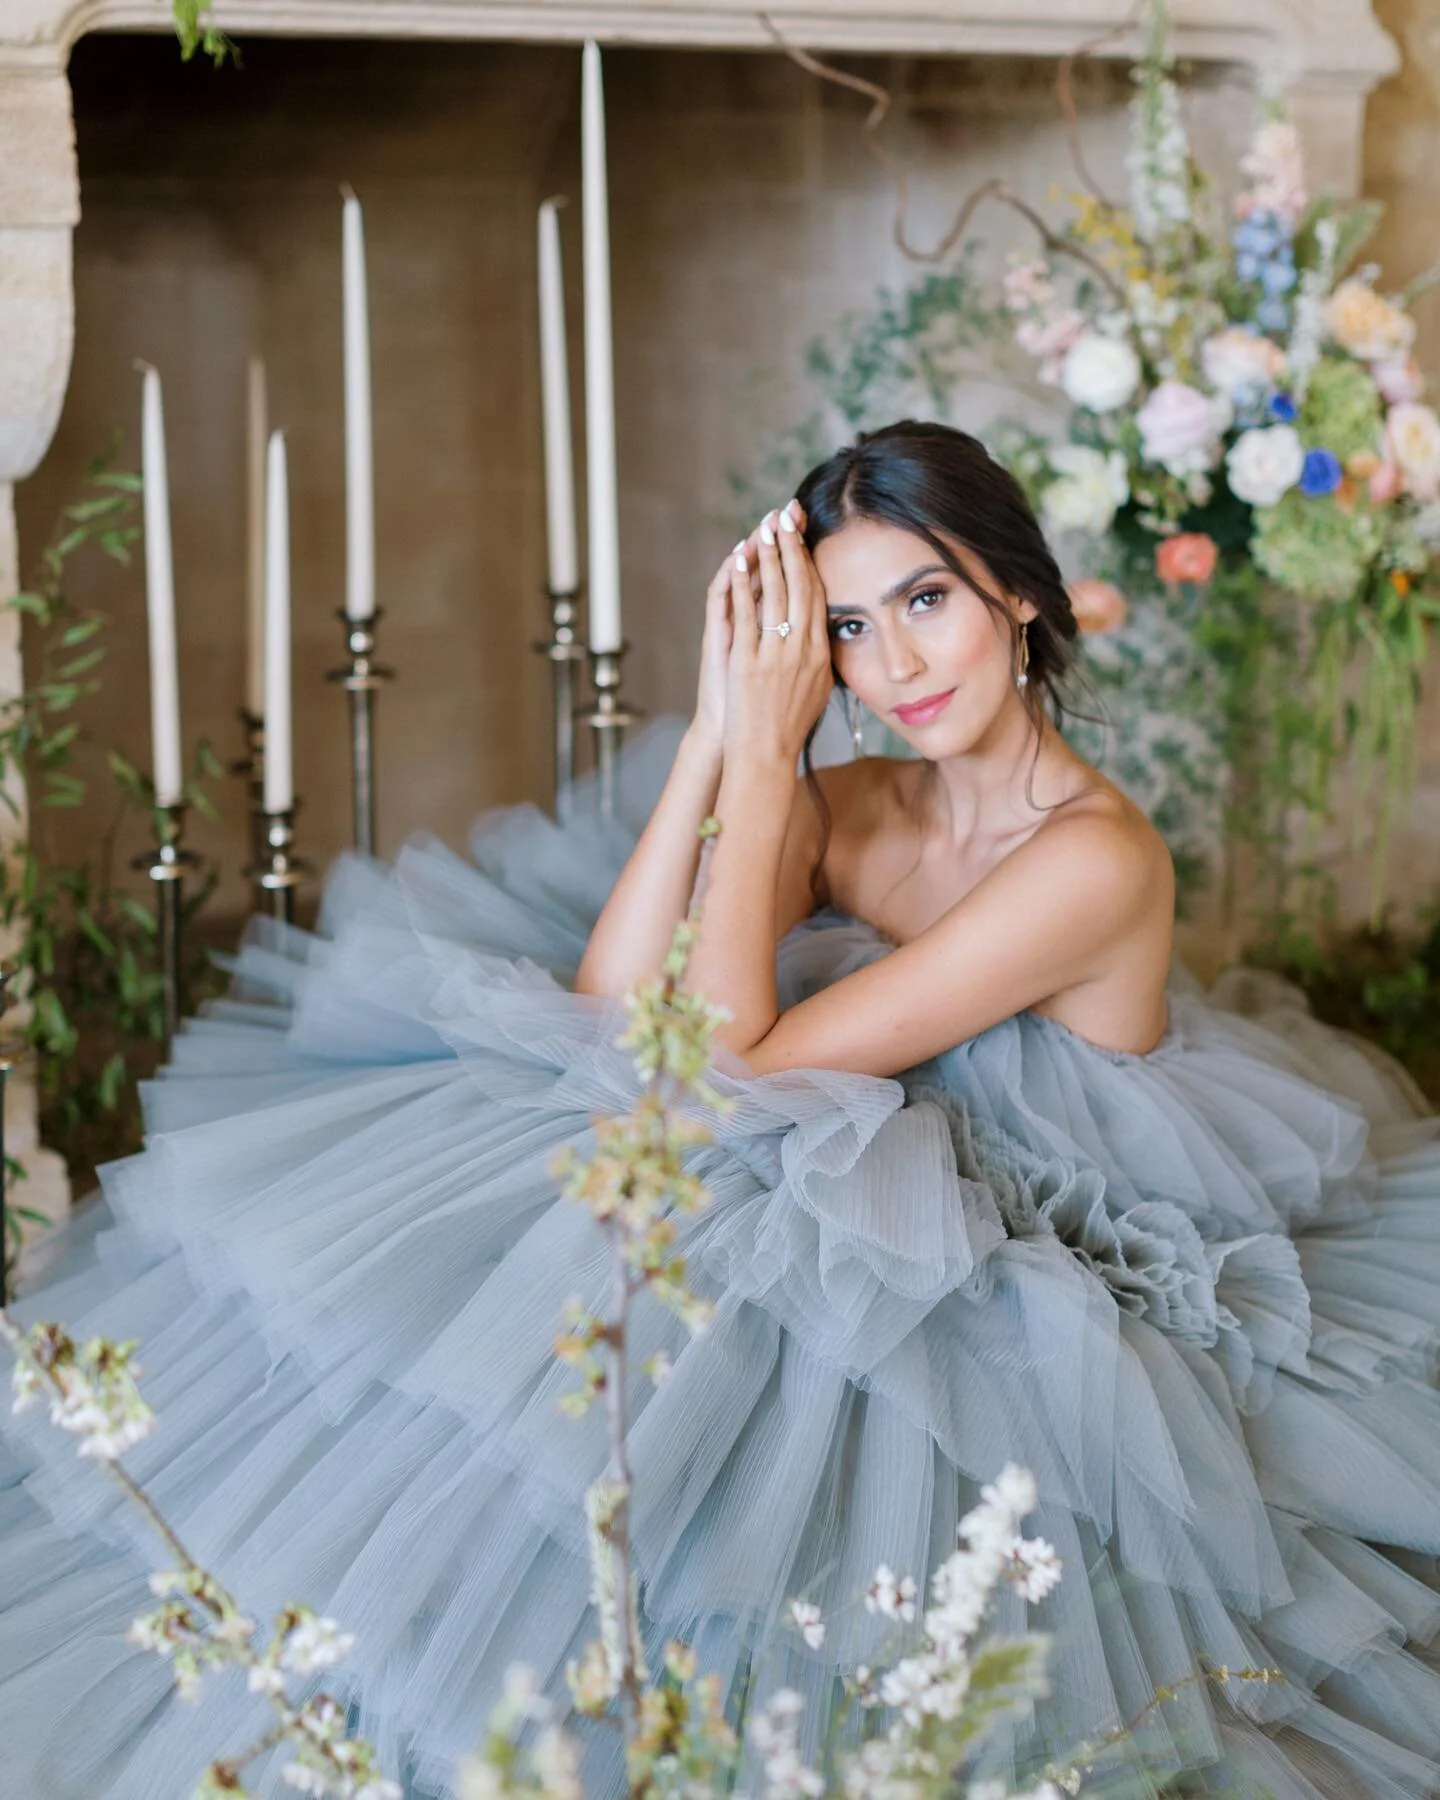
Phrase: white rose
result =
(1238, 361)
(1090, 485)
(1412, 441)
(1099, 373)
(1264, 463)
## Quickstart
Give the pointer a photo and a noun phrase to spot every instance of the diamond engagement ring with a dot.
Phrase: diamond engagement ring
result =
(783, 628)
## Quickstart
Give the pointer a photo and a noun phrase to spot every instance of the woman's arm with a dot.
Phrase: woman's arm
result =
(638, 921)
(1051, 916)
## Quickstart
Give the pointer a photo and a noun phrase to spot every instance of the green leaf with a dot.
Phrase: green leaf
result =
(80, 631)
(34, 604)
(78, 665)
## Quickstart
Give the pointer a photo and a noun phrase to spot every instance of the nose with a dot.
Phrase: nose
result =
(903, 661)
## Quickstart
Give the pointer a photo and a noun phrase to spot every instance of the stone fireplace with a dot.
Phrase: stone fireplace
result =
(746, 216)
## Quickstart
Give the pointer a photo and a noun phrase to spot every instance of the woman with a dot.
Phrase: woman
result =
(1182, 1264)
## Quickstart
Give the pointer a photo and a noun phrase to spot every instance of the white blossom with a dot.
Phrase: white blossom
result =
(1034, 1568)
(805, 1615)
(775, 1734)
(304, 1779)
(315, 1644)
(892, 1596)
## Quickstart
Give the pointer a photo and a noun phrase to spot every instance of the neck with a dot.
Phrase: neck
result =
(983, 790)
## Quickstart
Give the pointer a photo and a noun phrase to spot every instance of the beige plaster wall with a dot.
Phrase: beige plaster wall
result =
(746, 215)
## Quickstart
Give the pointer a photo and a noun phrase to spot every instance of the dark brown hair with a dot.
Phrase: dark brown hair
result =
(931, 479)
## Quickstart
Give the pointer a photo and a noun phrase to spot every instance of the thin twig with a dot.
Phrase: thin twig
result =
(993, 189)
(1065, 89)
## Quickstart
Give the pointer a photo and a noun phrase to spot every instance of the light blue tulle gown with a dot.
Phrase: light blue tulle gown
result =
(1195, 1291)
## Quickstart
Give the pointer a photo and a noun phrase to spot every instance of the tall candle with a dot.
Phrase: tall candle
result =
(159, 595)
(603, 506)
(279, 779)
(257, 429)
(359, 449)
(555, 406)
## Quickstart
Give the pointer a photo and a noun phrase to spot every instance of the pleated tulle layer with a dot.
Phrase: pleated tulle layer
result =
(1196, 1292)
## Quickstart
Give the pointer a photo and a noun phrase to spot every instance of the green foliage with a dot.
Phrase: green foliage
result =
(197, 30)
(84, 946)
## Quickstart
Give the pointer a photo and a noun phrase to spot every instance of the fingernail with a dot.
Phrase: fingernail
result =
(740, 562)
(787, 519)
(767, 531)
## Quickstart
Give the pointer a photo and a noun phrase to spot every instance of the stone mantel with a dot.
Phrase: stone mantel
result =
(1335, 41)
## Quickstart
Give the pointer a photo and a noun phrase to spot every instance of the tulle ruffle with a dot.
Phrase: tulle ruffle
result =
(1196, 1292)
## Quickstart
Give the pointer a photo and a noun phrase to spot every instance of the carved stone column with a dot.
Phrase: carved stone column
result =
(39, 205)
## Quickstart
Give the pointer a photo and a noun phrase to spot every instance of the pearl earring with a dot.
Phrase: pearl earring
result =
(855, 717)
(1022, 679)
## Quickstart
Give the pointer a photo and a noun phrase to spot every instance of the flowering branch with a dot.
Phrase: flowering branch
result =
(94, 1394)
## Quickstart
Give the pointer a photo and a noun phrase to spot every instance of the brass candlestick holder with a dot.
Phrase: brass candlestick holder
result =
(360, 679)
(279, 871)
(607, 720)
(251, 768)
(166, 865)
(563, 652)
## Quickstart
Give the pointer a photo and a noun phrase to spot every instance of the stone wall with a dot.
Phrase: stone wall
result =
(746, 216)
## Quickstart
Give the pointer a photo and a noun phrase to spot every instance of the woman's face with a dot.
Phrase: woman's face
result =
(914, 641)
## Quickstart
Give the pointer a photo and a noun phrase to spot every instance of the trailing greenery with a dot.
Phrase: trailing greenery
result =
(83, 945)
(196, 29)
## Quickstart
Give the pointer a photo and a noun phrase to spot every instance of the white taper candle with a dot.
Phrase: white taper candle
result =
(279, 778)
(257, 430)
(601, 487)
(359, 448)
(160, 596)
(555, 407)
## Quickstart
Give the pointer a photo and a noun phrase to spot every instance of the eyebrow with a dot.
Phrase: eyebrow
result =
(901, 587)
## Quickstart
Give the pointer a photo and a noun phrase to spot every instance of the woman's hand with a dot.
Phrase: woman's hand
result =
(709, 723)
(777, 681)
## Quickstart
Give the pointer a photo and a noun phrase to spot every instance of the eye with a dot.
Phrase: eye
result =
(841, 632)
(926, 600)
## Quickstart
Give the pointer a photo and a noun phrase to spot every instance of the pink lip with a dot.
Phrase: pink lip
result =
(921, 712)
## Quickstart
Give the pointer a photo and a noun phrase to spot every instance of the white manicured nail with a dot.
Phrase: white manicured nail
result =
(740, 563)
(767, 531)
(787, 519)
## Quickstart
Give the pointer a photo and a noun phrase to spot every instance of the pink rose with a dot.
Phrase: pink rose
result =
(1048, 339)
(1189, 557)
(1384, 483)
(1099, 606)
(1180, 428)
(1398, 380)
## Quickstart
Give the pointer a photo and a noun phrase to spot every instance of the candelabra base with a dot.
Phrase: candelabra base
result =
(281, 871)
(166, 865)
(607, 719)
(563, 652)
(360, 678)
(251, 769)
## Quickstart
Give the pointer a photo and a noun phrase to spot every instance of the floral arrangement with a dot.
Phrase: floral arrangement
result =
(937, 1694)
(1246, 411)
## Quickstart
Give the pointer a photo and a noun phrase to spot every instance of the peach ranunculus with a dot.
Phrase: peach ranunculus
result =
(1099, 606)
(1412, 441)
(1191, 556)
(1367, 324)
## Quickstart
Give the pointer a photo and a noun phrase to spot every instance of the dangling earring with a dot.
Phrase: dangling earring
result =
(855, 718)
(1022, 680)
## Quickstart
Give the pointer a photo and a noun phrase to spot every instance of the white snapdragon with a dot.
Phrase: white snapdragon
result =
(1309, 321)
(1089, 487)
(1157, 161)
(1099, 373)
(1265, 463)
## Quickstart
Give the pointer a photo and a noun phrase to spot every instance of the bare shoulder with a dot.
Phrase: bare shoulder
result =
(1099, 840)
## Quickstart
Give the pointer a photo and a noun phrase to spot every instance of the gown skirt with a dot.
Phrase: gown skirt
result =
(1195, 1291)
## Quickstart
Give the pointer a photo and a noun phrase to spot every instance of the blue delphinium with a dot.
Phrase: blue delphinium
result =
(1283, 408)
(1265, 254)
(1321, 473)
